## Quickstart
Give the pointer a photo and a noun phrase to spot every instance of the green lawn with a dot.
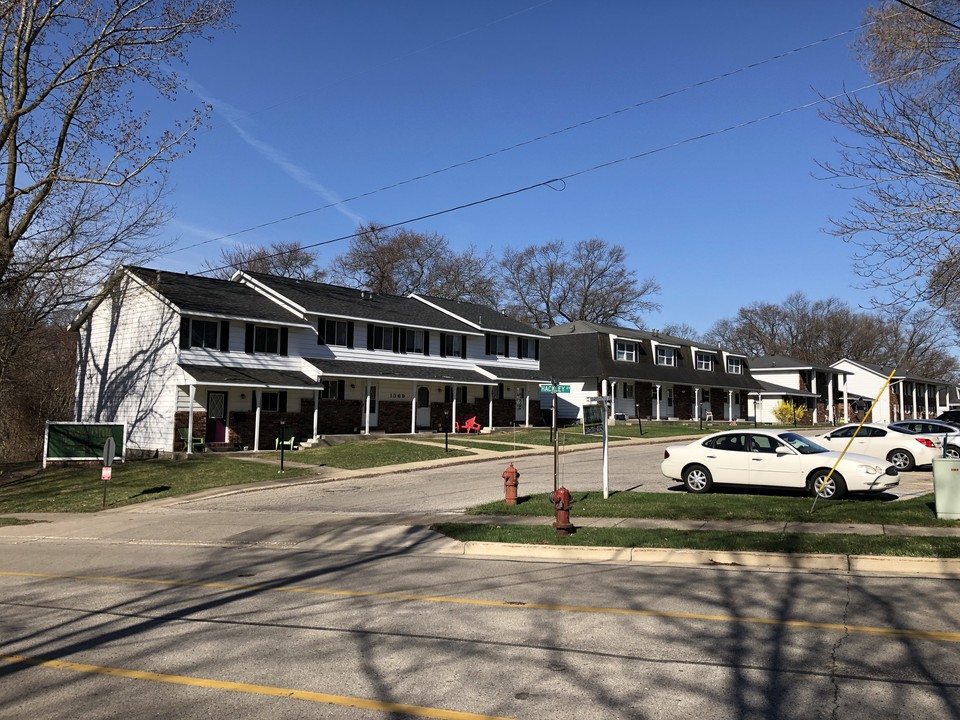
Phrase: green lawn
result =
(755, 505)
(79, 489)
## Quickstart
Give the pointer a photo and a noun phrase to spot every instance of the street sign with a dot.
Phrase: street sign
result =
(593, 419)
(106, 473)
(109, 450)
(554, 388)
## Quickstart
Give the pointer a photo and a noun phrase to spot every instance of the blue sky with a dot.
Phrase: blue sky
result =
(315, 102)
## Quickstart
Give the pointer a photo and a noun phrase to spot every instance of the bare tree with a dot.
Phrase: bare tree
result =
(84, 171)
(905, 220)
(549, 284)
(401, 261)
(824, 331)
(286, 259)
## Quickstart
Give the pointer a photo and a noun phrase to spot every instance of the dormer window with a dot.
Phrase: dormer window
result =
(704, 361)
(735, 366)
(666, 355)
(625, 351)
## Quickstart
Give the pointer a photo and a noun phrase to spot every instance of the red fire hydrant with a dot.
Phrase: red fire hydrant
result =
(561, 502)
(510, 483)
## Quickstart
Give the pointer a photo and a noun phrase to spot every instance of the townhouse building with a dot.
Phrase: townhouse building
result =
(236, 362)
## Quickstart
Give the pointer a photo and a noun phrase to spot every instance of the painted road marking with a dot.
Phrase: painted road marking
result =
(317, 697)
(933, 635)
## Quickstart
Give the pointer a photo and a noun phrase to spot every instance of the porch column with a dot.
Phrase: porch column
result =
(657, 399)
(192, 392)
(366, 408)
(816, 399)
(730, 405)
(490, 408)
(258, 395)
(453, 412)
(926, 401)
(613, 400)
(830, 411)
(526, 408)
(846, 402)
(413, 411)
(913, 400)
(696, 403)
(903, 402)
(316, 412)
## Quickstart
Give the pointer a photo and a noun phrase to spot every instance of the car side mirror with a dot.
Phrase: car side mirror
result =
(781, 450)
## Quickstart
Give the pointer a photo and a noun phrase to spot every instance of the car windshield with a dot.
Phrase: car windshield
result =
(802, 445)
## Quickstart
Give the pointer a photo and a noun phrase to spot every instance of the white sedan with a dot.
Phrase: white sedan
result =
(775, 458)
(904, 449)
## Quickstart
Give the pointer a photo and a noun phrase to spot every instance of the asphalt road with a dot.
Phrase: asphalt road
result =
(454, 488)
(98, 630)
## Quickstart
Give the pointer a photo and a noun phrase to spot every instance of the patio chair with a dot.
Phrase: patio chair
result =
(287, 443)
(199, 444)
(471, 425)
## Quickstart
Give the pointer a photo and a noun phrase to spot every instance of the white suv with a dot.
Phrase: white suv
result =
(904, 449)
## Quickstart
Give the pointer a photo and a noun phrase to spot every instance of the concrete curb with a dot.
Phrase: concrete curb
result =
(940, 567)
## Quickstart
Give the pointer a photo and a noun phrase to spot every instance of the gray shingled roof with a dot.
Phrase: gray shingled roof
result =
(483, 316)
(197, 295)
(587, 355)
(342, 302)
(216, 375)
(785, 362)
(516, 374)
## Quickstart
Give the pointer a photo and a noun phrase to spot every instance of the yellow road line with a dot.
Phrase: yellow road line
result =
(934, 635)
(317, 697)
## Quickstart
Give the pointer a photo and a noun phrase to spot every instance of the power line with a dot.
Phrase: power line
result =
(929, 15)
(531, 141)
(562, 179)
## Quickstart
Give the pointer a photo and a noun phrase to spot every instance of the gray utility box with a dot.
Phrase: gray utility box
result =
(946, 487)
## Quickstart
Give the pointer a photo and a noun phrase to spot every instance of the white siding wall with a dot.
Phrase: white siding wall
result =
(868, 384)
(127, 367)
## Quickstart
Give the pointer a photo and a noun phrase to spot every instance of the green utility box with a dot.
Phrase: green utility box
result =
(946, 487)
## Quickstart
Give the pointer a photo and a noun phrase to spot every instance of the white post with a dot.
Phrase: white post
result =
(453, 411)
(413, 411)
(816, 398)
(316, 413)
(613, 401)
(192, 393)
(606, 455)
(526, 408)
(696, 404)
(657, 397)
(846, 402)
(258, 395)
(730, 405)
(830, 403)
(366, 409)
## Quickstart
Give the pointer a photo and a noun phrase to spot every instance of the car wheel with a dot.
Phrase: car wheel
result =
(697, 479)
(833, 489)
(902, 460)
(952, 452)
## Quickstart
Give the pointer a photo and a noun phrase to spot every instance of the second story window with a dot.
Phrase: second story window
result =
(381, 338)
(735, 366)
(626, 351)
(704, 361)
(208, 334)
(666, 355)
(335, 332)
(453, 345)
(497, 345)
(265, 339)
(528, 348)
(416, 342)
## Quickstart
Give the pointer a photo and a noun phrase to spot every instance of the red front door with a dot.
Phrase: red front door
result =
(216, 417)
